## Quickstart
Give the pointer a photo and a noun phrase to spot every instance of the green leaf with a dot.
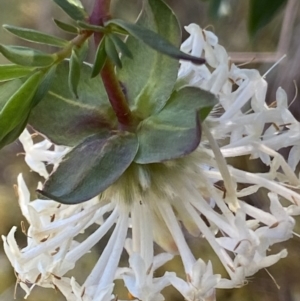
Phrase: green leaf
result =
(261, 12)
(112, 52)
(150, 76)
(82, 51)
(7, 90)
(66, 27)
(74, 73)
(14, 134)
(90, 168)
(91, 27)
(77, 58)
(175, 131)
(8, 72)
(26, 56)
(73, 8)
(10, 88)
(18, 105)
(121, 46)
(35, 36)
(44, 86)
(67, 120)
(100, 58)
(155, 41)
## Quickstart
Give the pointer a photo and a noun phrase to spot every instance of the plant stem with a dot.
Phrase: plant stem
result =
(116, 96)
(112, 86)
(100, 12)
(77, 41)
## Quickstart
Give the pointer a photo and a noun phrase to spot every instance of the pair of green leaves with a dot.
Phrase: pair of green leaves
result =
(100, 159)
(170, 120)
(110, 46)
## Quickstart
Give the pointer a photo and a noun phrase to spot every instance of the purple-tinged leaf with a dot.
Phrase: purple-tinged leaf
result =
(67, 120)
(91, 167)
(176, 130)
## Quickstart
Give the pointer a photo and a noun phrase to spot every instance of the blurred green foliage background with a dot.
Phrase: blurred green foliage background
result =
(229, 22)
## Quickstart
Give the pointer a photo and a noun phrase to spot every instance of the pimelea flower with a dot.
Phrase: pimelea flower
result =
(155, 202)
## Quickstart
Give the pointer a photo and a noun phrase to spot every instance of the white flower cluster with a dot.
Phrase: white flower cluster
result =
(150, 204)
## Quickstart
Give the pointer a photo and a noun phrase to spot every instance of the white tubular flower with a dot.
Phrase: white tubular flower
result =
(139, 279)
(200, 283)
(74, 292)
(37, 154)
(157, 203)
(51, 250)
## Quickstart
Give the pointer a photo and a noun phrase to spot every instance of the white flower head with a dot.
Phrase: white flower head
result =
(156, 203)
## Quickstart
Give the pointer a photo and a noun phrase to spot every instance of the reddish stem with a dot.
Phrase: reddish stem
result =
(99, 15)
(115, 94)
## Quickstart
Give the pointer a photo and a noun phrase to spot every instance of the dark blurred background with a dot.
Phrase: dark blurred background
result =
(259, 46)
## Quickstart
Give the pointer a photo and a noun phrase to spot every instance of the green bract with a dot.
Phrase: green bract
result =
(175, 131)
(67, 120)
(91, 167)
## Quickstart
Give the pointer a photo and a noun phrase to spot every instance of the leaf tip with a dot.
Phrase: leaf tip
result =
(43, 194)
(49, 196)
(198, 60)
